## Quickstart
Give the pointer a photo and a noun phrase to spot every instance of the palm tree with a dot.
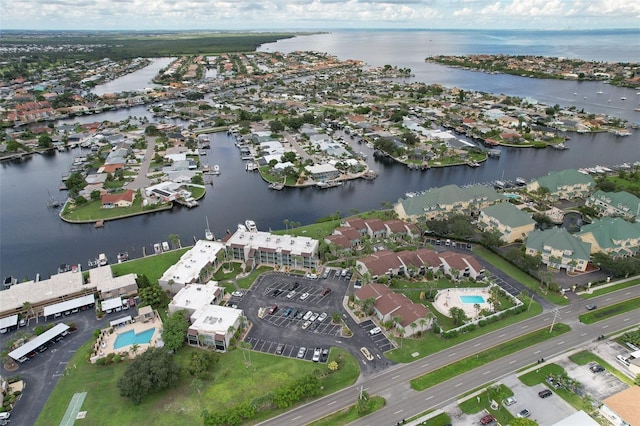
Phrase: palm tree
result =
(335, 317)
(423, 323)
(414, 326)
(476, 306)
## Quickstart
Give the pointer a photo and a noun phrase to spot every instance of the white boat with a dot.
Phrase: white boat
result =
(251, 225)
(165, 246)
(521, 181)
(157, 248)
(623, 98)
(216, 170)
(599, 92)
(123, 257)
(102, 259)
(207, 232)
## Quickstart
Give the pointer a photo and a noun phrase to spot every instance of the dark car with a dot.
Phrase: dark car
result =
(325, 291)
(488, 419)
(273, 309)
(276, 293)
(294, 286)
(313, 326)
(545, 393)
(300, 314)
(596, 368)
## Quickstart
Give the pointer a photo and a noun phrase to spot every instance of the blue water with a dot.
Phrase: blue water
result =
(472, 299)
(130, 337)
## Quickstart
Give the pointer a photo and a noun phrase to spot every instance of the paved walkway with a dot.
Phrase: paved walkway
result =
(73, 409)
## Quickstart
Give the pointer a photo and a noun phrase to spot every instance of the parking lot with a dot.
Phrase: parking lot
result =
(379, 340)
(289, 312)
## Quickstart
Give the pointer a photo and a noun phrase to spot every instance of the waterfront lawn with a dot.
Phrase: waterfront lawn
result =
(232, 380)
(595, 291)
(467, 364)
(432, 343)
(315, 230)
(609, 311)
(92, 211)
(350, 414)
(152, 266)
(518, 275)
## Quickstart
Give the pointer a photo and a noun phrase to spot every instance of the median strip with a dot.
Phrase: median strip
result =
(609, 311)
(469, 363)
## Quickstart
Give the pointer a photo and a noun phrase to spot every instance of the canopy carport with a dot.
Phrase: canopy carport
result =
(7, 322)
(111, 304)
(68, 305)
(120, 321)
(19, 353)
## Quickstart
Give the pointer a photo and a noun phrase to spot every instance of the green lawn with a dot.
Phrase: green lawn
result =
(315, 230)
(432, 343)
(609, 311)
(600, 291)
(152, 266)
(348, 415)
(92, 211)
(233, 380)
(482, 403)
(517, 274)
(441, 419)
(467, 364)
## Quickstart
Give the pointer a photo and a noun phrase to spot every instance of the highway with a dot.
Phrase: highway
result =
(402, 402)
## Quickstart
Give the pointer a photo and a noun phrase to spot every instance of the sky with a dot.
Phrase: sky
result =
(297, 15)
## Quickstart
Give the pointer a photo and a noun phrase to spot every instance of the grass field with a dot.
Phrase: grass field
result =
(233, 380)
(152, 266)
(600, 291)
(609, 311)
(350, 414)
(467, 364)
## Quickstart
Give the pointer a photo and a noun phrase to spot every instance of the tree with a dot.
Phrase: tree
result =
(200, 364)
(458, 316)
(174, 330)
(151, 295)
(175, 240)
(95, 195)
(45, 141)
(142, 281)
(289, 156)
(153, 371)
(364, 403)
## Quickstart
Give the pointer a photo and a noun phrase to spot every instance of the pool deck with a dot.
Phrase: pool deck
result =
(105, 343)
(450, 297)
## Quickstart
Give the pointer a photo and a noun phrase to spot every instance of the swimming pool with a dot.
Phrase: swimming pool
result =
(472, 299)
(130, 337)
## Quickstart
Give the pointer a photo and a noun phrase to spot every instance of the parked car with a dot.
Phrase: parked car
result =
(294, 285)
(325, 274)
(322, 317)
(545, 393)
(325, 354)
(291, 294)
(279, 349)
(316, 355)
(307, 315)
(303, 296)
(273, 309)
(375, 330)
(286, 312)
(596, 368)
(276, 293)
(306, 325)
(300, 314)
(325, 291)
(488, 419)
(237, 294)
(313, 317)
(301, 352)
(509, 401)
(524, 413)
(314, 326)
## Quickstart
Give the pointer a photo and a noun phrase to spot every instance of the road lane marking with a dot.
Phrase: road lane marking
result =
(452, 354)
(526, 326)
(459, 384)
(296, 418)
(512, 362)
(332, 402)
(626, 319)
(583, 334)
(536, 352)
(627, 293)
(607, 299)
(397, 412)
(428, 398)
(561, 343)
(502, 335)
(547, 319)
(605, 326)
(477, 344)
(395, 377)
(487, 372)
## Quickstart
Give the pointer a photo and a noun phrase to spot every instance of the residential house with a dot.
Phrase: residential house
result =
(194, 266)
(559, 249)
(565, 184)
(512, 223)
(213, 326)
(620, 204)
(613, 236)
(390, 306)
(322, 172)
(124, 199)
(194, 297)
(440, 203)
(376, 228)
(460, 265)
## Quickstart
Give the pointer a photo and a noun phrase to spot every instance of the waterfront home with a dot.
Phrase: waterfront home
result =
(613, 236)
(322, 172)
(512, 223)
(124, 199)
(559, 249)
(440, 203)
(566, 184)
(622, 204)
(205, 255)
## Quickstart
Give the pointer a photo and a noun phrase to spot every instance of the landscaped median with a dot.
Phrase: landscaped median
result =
(352, 413)
(467, 364)
(609, 311)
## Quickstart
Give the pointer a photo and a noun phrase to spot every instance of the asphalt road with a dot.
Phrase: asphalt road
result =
(403, 402)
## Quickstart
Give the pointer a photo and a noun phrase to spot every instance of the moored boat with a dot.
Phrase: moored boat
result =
(123, 257)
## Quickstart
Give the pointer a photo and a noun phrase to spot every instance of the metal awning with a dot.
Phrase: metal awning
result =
(119, 321)
(38, 341)
(111, 304)
(68, 305)
(9, 321)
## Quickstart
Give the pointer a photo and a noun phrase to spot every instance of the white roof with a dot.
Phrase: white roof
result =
(320, 168)
(195, 296)
(578, 418)
(120, 320)
(38, 341)
(278, 243)
(68, 305)
(213, 319)
(104, 280)
(111, 303)
(57, 286)
(9, 321)
(187, 270)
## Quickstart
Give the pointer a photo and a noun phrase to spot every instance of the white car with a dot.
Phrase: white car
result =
(237, 294)
(307, 315)
(301, 352)
(304, 296)
(509, 401)
(374, 331)
(313, 317)
(316, 355)
(291, 294)
(322, 317)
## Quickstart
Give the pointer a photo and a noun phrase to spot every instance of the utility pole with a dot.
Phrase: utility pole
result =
(555, 315)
